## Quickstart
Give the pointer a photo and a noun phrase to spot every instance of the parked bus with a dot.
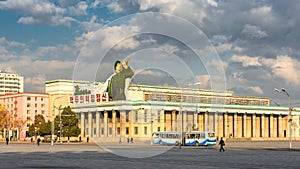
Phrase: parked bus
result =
(192, 138)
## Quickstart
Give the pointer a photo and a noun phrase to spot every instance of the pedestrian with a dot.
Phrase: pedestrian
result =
(7, 140)
(120, 141)
(222, 144)
(131, 139)
(38, 141)
(128, 140)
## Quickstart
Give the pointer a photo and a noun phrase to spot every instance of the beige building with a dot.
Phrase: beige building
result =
(157, 108)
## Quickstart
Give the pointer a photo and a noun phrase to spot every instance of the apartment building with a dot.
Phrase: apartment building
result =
(23, 107)
(11, 83)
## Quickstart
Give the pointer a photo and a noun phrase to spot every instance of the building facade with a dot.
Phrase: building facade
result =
(11, 83)
(158, 108)
(23, 107)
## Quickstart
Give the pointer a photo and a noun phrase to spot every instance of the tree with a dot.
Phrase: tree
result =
(69, 122)
(5, 119)
(39, 126)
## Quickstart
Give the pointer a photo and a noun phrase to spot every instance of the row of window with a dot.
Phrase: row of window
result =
(110, 131)
(28, 99)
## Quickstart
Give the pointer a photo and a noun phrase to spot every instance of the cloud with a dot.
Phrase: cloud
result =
(286, 68)
(80, 9)
(37, 12)
(115, 7)
(117, 35)
(256, 89)
(254, 31)
(246, 60)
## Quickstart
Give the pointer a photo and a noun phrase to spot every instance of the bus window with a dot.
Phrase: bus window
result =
(202, 135)
(211, 134)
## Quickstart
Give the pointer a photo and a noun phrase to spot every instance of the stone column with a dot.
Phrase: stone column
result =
(280, 135)
(244, 125)
(162, 120)
(173, 121)
(262, 119)
(114, 123)
(105, 124)
(216, 119)
(205, 121)
(225, 124)
(90, 124)
(184, 122)
(235, 125)
(271, 130)
(82, 125)
(97, 124)
(122, 123)
(253, 125)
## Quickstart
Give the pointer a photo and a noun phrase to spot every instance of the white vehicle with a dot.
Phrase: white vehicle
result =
(192, 138)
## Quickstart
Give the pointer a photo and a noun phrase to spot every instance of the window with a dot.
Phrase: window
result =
(28, 117)
(43, 112)
(118, 130)
(158, 128)
(158, 116)
(28, 98)
(28, 104)
(145, 130)
(42, 106)
(35, 98)
(35, 105)
(136, 117)
(35, 111)
(42, 99)
(127, 116)
(110, 131)
(127, 130)
(95, 131)
(136, 130)
(145, 116)
(102, 131)
(28, 112)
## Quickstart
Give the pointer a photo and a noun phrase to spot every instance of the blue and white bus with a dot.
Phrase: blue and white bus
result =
(167, 138)
(200, 138)
(192, 138)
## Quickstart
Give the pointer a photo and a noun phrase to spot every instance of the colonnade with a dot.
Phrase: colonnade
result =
(142, 123)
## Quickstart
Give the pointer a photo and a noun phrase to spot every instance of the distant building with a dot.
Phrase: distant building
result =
(23, 107)
(11, 83)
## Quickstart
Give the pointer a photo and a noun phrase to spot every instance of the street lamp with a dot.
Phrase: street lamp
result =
(52, 125)
(282, 90)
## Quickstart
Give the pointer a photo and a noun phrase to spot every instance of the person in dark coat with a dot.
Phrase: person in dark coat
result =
(38, 141)
(222, 144)
(7, 140)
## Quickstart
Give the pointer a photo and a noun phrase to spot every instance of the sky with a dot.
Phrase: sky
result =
(248, 47)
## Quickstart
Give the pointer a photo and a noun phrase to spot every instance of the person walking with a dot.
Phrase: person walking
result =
(38, 141)
(7, 140)
(222, 144)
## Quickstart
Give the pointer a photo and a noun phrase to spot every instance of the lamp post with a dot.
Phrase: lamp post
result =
(282, 90)
(52, 124)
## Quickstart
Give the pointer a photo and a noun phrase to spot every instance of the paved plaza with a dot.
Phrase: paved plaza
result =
(128, 156)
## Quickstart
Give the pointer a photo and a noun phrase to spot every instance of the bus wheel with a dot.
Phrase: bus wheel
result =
(160, 142)
(196, 143)
(176, 143)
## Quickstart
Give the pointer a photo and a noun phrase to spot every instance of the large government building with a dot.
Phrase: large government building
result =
(158, 108)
